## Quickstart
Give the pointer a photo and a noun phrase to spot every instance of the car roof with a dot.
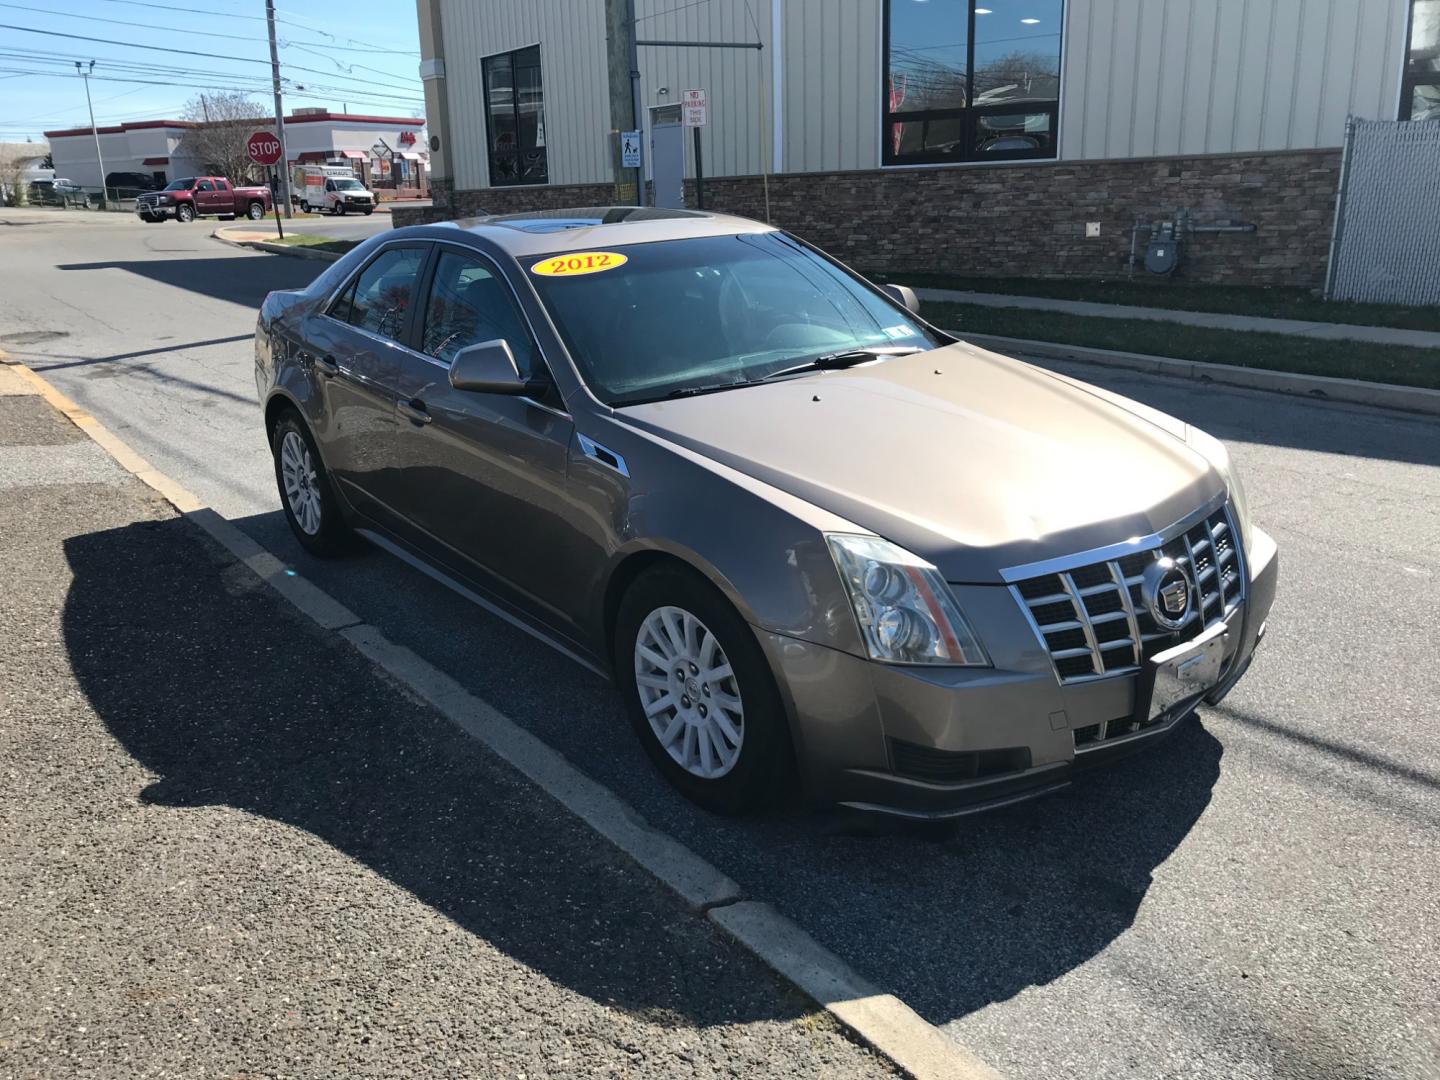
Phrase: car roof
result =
(579, 228)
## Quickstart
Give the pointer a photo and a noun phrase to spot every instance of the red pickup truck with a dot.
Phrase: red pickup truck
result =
(203, 196)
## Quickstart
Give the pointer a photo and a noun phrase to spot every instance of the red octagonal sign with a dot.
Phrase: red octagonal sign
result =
(264, 148)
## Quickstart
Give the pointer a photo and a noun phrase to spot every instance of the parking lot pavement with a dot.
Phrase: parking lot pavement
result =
(1258, 897)
(228, 848)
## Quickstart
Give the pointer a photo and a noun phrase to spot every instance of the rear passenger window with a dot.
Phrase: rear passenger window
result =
(381, 297)
(468, 305)
(205, 185)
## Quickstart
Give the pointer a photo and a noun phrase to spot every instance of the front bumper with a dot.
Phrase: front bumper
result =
(931, 743)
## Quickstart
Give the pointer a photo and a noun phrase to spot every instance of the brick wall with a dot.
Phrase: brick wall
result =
(1029, 219)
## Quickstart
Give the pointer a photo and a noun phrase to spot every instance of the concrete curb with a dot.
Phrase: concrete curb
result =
(881, 1021)
(1412, 399)
(275, 249)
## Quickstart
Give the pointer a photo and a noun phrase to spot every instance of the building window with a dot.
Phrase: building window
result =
(515, 108)
(1420, 89)
(972, 80)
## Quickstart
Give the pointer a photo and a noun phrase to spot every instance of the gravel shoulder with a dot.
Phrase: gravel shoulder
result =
(228, 848)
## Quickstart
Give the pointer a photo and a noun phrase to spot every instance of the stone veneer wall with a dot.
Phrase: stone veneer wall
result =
(1024, 220)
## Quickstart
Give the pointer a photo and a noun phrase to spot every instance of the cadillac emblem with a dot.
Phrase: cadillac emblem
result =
(1165, 592)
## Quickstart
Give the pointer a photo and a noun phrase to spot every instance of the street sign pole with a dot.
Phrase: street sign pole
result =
(696, 115)
(279, 229)
(265, 149)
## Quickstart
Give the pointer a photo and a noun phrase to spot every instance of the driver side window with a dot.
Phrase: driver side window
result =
(469, 304)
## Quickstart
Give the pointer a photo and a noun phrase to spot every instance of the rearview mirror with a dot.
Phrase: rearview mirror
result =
(905, 295)
(489, 368)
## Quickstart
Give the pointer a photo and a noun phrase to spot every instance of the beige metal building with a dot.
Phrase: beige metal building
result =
(988, 136)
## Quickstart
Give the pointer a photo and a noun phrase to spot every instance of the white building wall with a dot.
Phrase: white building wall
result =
(571, 35)
(1156, 77)
(1140, 77)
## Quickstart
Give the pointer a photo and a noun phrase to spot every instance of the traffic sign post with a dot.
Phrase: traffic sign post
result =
(264, 149)
(697, 115)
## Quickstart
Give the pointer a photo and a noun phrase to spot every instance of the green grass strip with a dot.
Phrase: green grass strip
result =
(1150, 292)
(1399, 364)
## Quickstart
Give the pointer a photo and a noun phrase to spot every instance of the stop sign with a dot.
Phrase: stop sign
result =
(264, 148)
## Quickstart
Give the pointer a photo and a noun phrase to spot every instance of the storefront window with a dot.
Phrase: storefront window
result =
(515, 108)
(1420, 92)
(971, 80)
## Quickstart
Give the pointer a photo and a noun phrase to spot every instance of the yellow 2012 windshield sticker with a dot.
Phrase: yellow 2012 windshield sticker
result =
(577, 263)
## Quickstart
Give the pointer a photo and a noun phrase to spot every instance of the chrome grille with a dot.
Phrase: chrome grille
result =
(1092, 620)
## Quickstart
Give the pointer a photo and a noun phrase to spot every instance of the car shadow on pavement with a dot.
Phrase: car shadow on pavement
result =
(231, 699)
(949, 923)
(238, 280)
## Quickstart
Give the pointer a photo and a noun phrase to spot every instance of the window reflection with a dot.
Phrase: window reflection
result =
(957, 93)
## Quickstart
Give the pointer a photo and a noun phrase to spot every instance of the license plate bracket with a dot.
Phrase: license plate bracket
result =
(1180, 675)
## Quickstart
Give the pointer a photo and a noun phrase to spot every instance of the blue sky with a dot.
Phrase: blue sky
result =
(367, 60)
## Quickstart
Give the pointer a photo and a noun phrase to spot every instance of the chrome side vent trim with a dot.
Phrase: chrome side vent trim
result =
(602, 454)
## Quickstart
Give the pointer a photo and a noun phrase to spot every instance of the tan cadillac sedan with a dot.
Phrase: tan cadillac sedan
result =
(809, 536)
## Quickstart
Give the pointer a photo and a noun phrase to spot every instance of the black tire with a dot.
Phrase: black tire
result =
(333, 536)
(255, 211)
(305, 205)
(369, 210)
(758, 777)
(340, 208)
(184, 213)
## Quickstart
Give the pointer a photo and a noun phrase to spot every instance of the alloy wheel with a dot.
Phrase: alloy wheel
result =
(302, 488)
(689, 693)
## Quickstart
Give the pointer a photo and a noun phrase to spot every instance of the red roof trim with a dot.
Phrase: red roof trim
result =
(156, 161)
(119, 128)
(399, 121)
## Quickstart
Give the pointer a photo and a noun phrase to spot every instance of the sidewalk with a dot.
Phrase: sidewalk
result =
(229, 847)
(1378, 335)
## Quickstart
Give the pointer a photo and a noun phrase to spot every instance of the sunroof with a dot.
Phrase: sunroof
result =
(551, 221)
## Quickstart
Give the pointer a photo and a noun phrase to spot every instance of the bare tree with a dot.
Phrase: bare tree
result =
(225, 122)
(15, 158)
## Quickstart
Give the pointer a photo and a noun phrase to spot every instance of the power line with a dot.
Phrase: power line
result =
(261, 18)
(190, 52)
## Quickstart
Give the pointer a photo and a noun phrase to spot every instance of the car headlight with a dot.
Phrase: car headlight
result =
(1213, 450)
(904, 608)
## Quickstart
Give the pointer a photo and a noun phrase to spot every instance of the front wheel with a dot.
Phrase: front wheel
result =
(306, 493)
(700, 692)
(184, 213)
(340, 208)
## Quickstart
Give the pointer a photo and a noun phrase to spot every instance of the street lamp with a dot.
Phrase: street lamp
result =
(84, 73)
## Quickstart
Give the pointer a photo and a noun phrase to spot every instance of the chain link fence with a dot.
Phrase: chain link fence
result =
(1386, 243)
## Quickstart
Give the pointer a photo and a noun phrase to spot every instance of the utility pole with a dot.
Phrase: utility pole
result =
(624, 85)
(205, 108)
(283, 167)
(84, 73)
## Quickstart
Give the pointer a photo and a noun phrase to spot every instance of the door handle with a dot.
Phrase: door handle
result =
(327, 366)
(414, 411)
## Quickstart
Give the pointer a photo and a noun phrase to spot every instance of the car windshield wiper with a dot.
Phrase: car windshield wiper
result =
(711, 388)
(843, 359)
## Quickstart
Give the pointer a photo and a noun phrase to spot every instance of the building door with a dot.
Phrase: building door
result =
(667, 156)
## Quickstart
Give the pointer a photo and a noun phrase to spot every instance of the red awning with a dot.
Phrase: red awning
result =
(156, 161)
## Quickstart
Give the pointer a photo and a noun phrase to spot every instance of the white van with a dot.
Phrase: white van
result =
(334, 189)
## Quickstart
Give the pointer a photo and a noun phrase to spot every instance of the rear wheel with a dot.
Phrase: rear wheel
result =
(255, 211)
(305, 205)
(184, 212)
(700, 692)
(306, 493)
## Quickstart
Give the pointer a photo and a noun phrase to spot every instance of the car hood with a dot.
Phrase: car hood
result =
(975, 461)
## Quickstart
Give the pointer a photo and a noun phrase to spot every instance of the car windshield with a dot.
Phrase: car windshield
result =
(349, 185)
(713, 312)
(180, 185)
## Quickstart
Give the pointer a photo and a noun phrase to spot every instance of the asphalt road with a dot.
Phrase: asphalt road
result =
(207, 872)
(1258, 897)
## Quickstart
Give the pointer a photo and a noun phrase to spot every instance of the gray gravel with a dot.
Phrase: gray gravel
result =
(229, 849)
(1258, 897)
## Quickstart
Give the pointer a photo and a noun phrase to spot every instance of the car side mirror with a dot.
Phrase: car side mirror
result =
(489, 368)
(905, 295)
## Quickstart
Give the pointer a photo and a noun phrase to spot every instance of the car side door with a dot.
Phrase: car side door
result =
(204, 196)
(353, 347)
(484, 475)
